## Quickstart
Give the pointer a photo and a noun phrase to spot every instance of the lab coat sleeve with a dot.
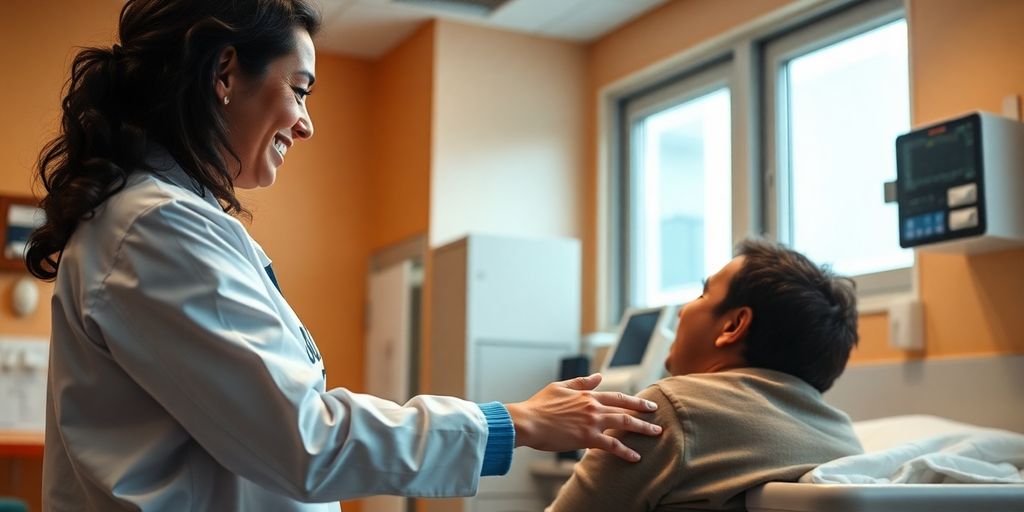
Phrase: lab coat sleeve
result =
(501, 439)
(187, 315)
(603, 482)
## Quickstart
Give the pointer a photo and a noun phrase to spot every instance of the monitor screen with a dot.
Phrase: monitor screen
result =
(635, 337)
(939, 157)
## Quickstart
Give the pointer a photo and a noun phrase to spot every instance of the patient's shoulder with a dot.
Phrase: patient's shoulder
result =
(742, 380)
(734, 388)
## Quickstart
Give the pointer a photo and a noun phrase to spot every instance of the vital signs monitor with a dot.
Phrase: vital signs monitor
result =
(960, 184)
(637, 358)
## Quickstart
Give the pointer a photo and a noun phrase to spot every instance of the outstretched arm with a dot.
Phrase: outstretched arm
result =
(569, 415)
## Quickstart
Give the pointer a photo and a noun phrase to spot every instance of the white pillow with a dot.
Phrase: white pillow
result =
(884, 433)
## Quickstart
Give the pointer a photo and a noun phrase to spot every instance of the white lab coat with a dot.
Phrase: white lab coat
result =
(180, 379)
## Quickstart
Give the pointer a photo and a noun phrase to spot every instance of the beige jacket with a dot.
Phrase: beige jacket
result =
(724, 433)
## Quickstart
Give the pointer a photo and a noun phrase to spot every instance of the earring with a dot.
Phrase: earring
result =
(226, 100)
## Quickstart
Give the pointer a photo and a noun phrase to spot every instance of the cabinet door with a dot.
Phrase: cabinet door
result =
(524, 290)
(512, 373)
(447, 357)
(507, 371)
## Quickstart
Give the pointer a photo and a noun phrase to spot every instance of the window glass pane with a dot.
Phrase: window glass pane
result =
(848, 102)
(682, 202)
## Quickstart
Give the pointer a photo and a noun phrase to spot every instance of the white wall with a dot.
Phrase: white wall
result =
(508, 134)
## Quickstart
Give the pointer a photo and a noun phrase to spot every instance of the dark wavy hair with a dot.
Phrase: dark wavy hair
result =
(804, 316)
(155, 85)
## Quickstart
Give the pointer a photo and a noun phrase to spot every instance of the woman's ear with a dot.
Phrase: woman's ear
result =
(737, 325)
(226, 78)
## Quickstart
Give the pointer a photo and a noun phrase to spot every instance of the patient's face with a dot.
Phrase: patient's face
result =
(693, 350)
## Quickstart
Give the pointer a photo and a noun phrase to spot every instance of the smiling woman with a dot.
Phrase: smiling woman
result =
(180, 378)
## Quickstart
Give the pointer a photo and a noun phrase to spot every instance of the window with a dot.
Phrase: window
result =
(785, 129)
(838, 93)
(677, 188)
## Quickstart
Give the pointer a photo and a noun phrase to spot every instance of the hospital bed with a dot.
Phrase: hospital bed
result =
(892, 404)
(790, 497)
(984, 391)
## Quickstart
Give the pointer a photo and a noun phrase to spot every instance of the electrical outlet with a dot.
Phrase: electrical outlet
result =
(906, 325)
(1012, 107)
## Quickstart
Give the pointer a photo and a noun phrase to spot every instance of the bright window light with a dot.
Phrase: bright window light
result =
(683, 198)
(847, 103)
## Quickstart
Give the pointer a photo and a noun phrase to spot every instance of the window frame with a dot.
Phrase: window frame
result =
(753, 202)
(775, 53)
(713, 76)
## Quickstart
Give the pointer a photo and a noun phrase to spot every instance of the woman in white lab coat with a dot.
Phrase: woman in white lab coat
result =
(180, 379)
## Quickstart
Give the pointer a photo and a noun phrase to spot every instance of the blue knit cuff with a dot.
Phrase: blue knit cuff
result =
(501, 439)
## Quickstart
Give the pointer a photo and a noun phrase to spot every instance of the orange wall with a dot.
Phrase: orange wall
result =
(402, 100)
(962, 58)
(966, 55)
(670, 29)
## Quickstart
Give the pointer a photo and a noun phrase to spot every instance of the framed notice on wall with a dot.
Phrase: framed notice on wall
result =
(18, 217)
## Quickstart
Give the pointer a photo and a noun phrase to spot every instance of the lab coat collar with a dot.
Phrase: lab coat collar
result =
(167, 169)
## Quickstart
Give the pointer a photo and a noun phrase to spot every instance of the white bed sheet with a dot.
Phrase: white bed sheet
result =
(961, 454)
(879, 436)
(884, 433)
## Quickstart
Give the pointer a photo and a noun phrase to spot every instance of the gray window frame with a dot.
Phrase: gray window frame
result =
(776, 53)
(755, 180)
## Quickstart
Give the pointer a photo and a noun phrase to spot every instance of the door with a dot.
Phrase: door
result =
(391, 337)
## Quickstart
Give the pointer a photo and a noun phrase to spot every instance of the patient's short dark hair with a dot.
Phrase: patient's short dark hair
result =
(804, 316)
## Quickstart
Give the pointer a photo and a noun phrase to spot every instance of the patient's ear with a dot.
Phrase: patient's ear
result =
(736, 327)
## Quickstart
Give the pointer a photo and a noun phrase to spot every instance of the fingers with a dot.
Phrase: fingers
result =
(625, 401)
(623, 422)
(616, 448)
(632, 424)
(583, 383)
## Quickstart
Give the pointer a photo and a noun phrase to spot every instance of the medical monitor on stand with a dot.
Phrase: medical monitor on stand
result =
(637, 359)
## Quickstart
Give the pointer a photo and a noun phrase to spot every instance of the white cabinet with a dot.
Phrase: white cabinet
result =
(503, 312)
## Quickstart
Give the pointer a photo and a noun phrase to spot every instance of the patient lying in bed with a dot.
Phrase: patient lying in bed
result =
(751, 357)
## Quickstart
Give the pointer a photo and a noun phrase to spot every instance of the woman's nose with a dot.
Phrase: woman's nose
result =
(303, 129)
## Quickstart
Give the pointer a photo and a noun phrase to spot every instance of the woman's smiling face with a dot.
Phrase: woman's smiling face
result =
(265, 116)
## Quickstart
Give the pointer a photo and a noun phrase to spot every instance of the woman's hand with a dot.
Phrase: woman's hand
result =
(569, 415)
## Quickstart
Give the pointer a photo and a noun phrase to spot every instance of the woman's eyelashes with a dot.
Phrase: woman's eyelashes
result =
(301, 93)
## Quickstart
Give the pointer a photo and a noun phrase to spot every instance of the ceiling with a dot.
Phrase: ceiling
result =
(370, 28)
